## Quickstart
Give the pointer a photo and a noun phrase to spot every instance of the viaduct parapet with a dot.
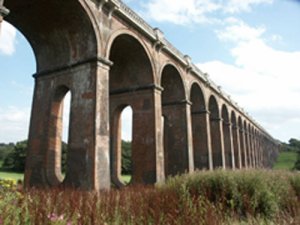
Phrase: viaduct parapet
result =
(109, 58)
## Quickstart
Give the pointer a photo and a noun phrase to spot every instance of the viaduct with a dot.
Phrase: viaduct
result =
(109, 58)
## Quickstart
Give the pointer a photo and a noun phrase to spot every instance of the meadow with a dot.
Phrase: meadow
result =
(206, 197)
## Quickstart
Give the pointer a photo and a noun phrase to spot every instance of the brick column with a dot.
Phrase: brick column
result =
(247, 149)
(228, 144)
(236, 147)
(147, 150)
(243, 148)
(217, 143)
(201, 140)
(88, 155)
(177, 144)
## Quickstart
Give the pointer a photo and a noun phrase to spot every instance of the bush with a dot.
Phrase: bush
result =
(212, 197)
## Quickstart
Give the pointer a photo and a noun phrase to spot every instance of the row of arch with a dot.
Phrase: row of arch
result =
(195, 133)
(179, 123)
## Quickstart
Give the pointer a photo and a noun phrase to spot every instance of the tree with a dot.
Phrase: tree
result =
(126, 157)
(15, 160)
(297, 164)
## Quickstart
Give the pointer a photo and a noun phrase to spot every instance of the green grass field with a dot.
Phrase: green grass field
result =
(286, 160)
(11, 176)
(20, 176)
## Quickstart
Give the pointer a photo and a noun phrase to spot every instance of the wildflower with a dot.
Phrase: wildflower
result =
(53, 217)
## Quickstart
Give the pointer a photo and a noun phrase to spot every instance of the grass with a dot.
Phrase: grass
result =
(206, 197)
(286, 160)
(11, 176)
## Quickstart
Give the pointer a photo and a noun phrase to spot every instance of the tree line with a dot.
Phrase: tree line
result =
(12, 157)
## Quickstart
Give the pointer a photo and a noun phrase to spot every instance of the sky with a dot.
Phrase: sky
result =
(251, 48)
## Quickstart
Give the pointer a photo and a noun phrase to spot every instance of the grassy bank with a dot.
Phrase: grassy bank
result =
(11, 176)
(286, 160)
(218, 197)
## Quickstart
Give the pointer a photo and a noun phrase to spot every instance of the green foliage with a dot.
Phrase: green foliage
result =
(5, 149)
(11, 176)
(260, 193)
(286, 160)
(289, 156)
(15, 160)
(211, 197)
(126, 157)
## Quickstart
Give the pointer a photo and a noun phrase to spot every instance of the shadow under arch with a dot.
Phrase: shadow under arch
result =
(215, 132)
(236, 140)
(199, 127)
(174, 112)
(60, 32)
(227, 132)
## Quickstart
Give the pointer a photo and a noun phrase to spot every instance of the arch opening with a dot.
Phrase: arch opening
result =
(174, 109)
(199, 128)
(131, 84)
(236, 141)
(242, 142)
(215, 132)
(226, 126)
(126, 138)
(57, 154)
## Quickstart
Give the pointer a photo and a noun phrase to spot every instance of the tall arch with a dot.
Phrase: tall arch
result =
(252, 146)
(227, 135)
(216, 133)
(131, 83)
(174, 113)
(236, 140)
(56, 30)
(242, 143)
(247, 144)
(200, 120)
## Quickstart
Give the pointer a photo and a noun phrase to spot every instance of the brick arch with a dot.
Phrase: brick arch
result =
(226, 126)
(251, 145)
(217, 142)
(138, 41)
(242, 142)
(199, 117)
(247, 143)
(131, 82)
(56, 30)
(174, 114)
(131, 65)
(116, 145)
(236, 140)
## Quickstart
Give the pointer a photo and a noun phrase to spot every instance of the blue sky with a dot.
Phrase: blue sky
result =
(249, 47)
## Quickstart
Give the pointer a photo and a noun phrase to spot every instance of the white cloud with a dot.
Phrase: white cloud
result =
(7, 38)
(195, 11)
(180, 12)
(236, 6)
(14, 123)
(264, 80)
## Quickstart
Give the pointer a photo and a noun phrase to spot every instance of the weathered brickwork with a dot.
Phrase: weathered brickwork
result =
(109, 58)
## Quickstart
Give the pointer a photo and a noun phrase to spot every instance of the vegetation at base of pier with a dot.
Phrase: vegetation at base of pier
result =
(205, 197)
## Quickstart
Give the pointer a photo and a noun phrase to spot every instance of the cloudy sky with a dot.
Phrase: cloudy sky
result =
(249, 47)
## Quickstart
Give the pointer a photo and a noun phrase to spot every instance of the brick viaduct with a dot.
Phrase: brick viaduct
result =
(110, 58)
